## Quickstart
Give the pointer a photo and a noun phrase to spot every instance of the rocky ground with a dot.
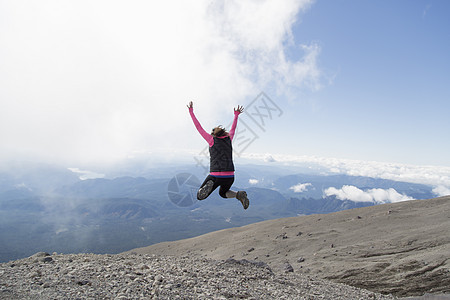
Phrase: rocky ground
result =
(145, 276)
(400, 248)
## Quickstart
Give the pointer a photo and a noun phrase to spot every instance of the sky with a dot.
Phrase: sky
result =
(343, 81)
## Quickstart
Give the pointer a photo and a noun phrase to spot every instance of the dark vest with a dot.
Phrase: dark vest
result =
(221, 155)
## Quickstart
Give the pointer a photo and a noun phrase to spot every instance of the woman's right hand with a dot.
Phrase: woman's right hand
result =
(190, 105)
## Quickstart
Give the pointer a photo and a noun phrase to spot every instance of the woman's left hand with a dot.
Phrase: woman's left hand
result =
(240, 109)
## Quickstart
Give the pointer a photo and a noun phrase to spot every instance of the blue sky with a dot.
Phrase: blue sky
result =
(84, 81)
(388, 66)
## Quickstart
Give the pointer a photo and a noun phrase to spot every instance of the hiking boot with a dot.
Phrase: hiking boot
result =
(205, 190)
(242, 196)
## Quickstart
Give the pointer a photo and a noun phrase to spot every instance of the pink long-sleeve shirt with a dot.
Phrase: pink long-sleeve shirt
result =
(210, 139)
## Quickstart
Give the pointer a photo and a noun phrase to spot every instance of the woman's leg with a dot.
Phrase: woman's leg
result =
(225, 185)
(230, 194)
(225, 192)
(242, 196)
(207, 187)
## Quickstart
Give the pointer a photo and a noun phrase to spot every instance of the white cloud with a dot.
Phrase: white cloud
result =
(269, 158)
(441, 190)
(349, 192)
(430, 175)
(388, 195)
(95, 80)
(253, 181)
(301, 187)
(85, 174)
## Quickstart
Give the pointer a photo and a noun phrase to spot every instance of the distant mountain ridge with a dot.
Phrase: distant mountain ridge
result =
(51, 209)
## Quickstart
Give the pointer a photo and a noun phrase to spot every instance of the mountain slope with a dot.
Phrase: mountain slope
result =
(401, 248)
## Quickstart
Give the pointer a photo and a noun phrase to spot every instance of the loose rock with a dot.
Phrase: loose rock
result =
(133, 276)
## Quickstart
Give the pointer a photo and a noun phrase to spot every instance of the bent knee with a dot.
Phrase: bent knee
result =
(223, 194)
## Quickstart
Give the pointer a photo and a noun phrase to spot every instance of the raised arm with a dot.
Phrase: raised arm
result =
(208, 138)
(237, 112)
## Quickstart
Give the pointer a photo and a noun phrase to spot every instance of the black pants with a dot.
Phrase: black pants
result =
(225, 184)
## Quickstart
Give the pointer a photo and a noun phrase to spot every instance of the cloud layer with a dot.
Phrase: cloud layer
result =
(437, 176)
(441, 190)
(349, 192)
(97, 80)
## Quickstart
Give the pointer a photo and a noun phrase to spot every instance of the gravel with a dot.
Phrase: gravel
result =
(146, 276)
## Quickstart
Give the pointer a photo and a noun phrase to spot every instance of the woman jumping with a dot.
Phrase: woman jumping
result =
(221, 160)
